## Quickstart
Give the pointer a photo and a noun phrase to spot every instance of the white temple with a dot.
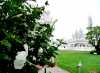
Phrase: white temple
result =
(78, 41)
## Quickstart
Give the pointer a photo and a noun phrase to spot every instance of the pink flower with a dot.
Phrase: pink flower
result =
(39, 67)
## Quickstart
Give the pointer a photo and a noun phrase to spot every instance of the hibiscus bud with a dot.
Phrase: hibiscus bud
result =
(40, 50)
(34, 58)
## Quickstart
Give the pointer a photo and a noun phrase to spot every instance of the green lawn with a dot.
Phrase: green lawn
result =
(68, 60)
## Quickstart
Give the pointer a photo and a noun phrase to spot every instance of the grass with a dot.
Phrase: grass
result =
(68, 60)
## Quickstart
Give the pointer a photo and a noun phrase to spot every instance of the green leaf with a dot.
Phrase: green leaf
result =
(4, 56)
(5, 43)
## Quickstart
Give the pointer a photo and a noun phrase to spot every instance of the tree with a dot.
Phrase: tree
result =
(94, 37)
(19, 26)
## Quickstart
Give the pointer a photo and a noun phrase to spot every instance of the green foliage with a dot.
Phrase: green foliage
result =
(94, 37)
(19, 25)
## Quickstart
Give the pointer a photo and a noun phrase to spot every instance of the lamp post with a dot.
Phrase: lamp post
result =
(79, 65)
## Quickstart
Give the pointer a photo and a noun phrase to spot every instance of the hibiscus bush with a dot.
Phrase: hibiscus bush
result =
(25, 41)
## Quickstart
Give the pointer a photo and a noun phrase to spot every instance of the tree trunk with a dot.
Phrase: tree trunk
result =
(97, 47)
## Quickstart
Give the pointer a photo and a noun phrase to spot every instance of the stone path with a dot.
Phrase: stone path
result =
(53, 70)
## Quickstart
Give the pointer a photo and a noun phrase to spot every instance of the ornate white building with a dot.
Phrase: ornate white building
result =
(78, 41)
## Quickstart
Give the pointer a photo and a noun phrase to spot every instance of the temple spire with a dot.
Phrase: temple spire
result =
(90, 22)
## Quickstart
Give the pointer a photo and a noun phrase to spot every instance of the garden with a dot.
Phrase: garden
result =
(27, 44)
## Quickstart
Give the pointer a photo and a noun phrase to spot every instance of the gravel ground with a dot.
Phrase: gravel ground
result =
(53, 70)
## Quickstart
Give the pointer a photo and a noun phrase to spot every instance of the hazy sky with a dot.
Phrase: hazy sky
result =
(73, 15)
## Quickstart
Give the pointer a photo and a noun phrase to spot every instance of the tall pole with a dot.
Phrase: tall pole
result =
(45, 70)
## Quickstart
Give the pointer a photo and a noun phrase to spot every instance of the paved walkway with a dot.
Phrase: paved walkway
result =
(53, 70)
